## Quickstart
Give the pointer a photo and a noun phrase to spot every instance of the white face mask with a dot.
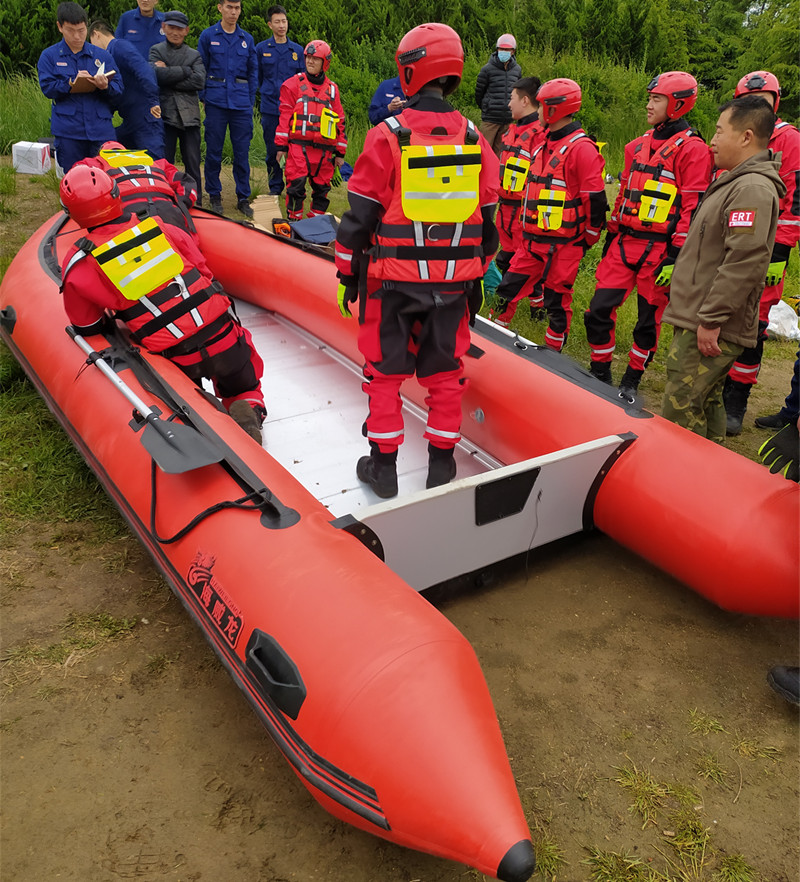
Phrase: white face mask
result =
(504, 55)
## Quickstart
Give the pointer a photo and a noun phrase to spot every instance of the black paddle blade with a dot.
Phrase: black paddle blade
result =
(177, 448)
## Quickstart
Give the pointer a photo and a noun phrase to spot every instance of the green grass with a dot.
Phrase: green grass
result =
(610, 866)
(26, 112)
(549, 857)
(8, 188)
(734, 868)
(44, 477)
(702, 724)
(648, 795)
(83, 632)
(711, 769)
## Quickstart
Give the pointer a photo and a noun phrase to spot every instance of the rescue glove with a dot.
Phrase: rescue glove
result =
(664, 271)
(347, 293)
(781, 452)
(608, 241)
(777, 264)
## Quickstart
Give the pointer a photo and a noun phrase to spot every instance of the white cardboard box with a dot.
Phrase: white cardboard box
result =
(31, 157)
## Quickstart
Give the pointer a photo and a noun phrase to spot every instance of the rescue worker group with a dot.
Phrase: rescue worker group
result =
(430, 204)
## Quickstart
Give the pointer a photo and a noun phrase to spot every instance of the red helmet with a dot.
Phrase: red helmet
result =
(427, 52)
(320, 49)
(506, 41)
(113, 145)
(759, 81)
(679, 88)
(557, 99)
(89, 196)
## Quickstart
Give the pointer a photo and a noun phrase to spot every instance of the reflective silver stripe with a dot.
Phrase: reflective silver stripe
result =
(145, 267)
(440, 433)
(419, 241)
(635, 351)
(78, 255)
(460, 194)
(431, 170)
(156, 312)
(789, 223)
(460, 165)
(384, 436)
(347, 257)
(450, 270)
(184, 293)
(602, 350)
(668, 175)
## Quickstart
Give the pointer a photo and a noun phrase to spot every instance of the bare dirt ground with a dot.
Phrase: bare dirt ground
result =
(134, 757)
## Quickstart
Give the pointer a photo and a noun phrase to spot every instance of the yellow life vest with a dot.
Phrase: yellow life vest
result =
(139, 260)
(440, 182)
(515, 173)
(124, 158)
(657, 200)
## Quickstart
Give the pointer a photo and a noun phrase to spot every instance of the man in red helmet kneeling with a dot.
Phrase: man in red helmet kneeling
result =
(414, 245)
(152, 276)
(666, 172)
(563, 214)
(310, 136)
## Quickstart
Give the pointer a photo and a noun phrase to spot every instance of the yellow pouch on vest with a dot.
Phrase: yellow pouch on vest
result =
(657, 199)
(328, 123)
(515, 174)
(440, 183)
(138, 261)
(550, 208)
(122, 158)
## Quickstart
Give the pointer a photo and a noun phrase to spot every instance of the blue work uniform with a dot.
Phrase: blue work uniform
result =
(229, 96)
(140, 130)
(379, 106)
(139, 30)
(80, 122)
(277, 62)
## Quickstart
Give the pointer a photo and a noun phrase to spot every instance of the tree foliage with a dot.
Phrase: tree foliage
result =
(611, 47)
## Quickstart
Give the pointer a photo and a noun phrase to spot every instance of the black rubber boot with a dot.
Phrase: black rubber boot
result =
(734, 397)
(601, 370)
(379, 470)
(441, 466)
(629, 384)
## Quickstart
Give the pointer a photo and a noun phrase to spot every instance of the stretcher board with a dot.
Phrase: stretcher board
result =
(439, 534)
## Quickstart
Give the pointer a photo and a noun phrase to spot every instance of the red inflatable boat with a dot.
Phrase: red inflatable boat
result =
(303, 582)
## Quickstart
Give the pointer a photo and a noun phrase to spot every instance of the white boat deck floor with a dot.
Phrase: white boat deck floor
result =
(316, 409)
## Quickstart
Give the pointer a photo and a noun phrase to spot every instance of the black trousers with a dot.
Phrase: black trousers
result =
(189, 140)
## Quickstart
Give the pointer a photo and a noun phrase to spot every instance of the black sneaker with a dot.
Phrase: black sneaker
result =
(773, 421)
(441, 467)
(244, 206)
(381, 476)
(216, 204)
(786, 682)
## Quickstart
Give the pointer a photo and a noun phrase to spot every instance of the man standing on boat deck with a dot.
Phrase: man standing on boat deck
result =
(153, 277)
(720, 271)
(413, 248)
